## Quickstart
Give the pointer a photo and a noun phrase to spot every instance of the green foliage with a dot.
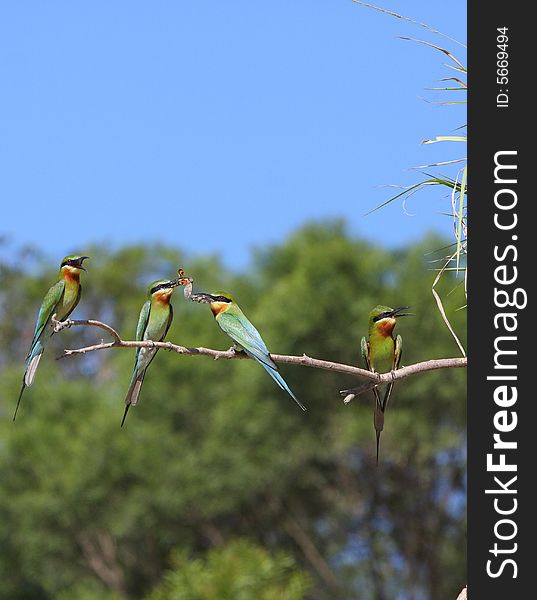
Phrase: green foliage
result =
(215, 451)
(240, 570)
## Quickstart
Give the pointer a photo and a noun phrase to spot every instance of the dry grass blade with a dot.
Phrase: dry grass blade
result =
(439, 164)
(409, 20)
(446, 138)
(461, 83)
(441, 306)
(440, 49)
(411, 189)
(446, 89)
(460, 213)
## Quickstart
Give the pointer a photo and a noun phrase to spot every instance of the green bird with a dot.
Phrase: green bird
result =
(153, 323)
(245, 336)
(382, 353)
(60, 300)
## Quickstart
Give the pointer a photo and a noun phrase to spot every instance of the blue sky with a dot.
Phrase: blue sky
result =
(218, 126)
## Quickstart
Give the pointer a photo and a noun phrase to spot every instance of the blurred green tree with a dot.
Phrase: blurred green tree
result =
(239, 570)
(215, 451)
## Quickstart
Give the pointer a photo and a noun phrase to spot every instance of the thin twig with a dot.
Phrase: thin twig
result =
(59, 325)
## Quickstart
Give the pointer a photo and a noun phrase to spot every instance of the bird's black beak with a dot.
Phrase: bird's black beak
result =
(180, 281)
(171, 284)
(396, 312)
(203, 298)
(80, 261)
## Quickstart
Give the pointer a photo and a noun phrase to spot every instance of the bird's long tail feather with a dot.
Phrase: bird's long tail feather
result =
(281, 382)
(133, 393)
(19, 400)
(32, 363)
(378, 420)
(387, 395)
(125, 414)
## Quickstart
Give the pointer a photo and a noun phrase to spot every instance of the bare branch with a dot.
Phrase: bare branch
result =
(379, 379)
(59, 325)
(374, 379)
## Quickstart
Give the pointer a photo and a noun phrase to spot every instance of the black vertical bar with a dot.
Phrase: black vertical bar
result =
(501, 261)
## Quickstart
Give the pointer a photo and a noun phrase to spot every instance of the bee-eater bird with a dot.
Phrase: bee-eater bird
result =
(382, 353)
(60, 300)
(245, 336)
(155, 319)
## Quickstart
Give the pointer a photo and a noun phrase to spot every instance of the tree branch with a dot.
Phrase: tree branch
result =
(374, 379)
(379, 379)
(59, 325)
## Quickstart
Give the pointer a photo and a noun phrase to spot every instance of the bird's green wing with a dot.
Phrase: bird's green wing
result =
(365, 353)
(48, 308)
(396, 362)
(143, 320)
(241, 331)
(365, 356)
